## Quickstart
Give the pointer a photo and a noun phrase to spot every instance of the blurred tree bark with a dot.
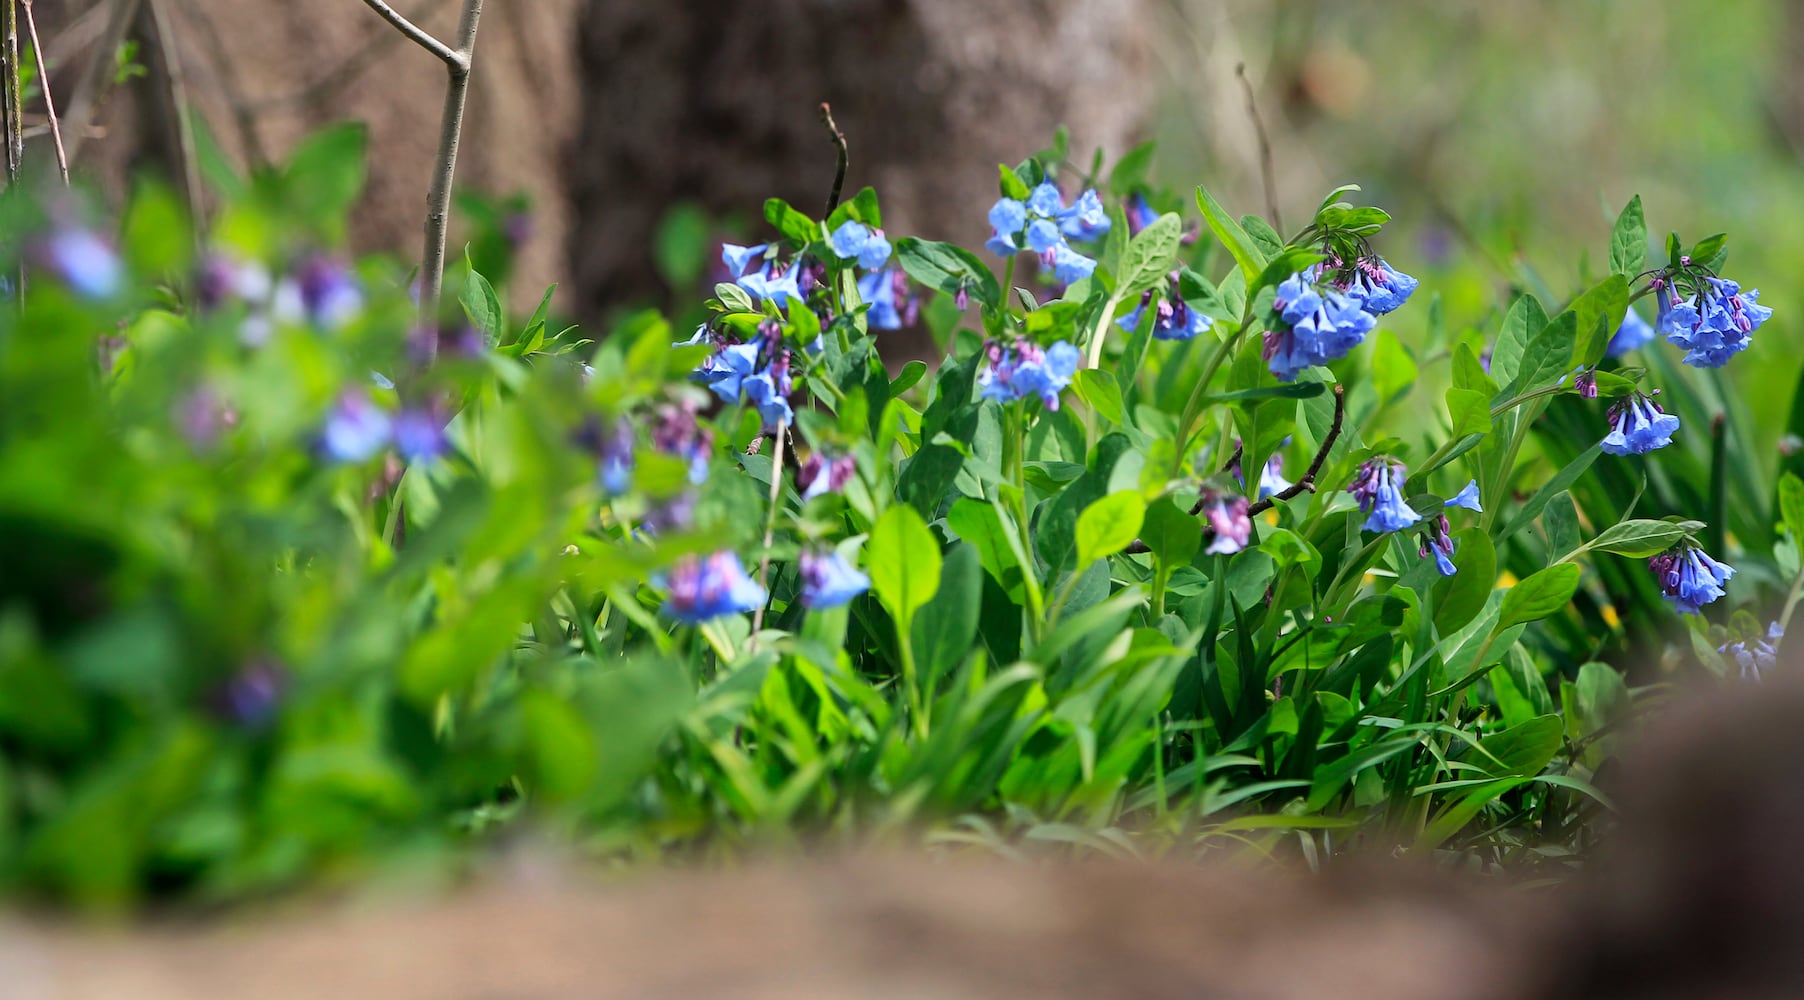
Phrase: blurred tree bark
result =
(717, 106)
(606, 112)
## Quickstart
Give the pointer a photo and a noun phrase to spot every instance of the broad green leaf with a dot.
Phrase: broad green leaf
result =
(1459, 598)
(1544, 593)
(1108, 525)
(1470, 410)
(945, 631)
(1150, 255)
(903, 559)
(1639, 539)
(1096, 386)
(1522, 749)
(1245, 253)
(978, 523)
(1561, 521)
(482, 306)
(791, 223)
(1011, 184)
(1171, 533)
(1628, 241)
(1524, 321)
(946, 268)
(1599, 312)
(1469, 372)
(1791, 506)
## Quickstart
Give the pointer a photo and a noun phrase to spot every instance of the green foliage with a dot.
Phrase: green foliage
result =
(237, 652)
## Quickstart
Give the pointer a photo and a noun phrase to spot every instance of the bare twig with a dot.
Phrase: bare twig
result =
(1306, 484)
(438, 200)
(340, 77)
(56, 131)
(1266, 176)
(230, 88)
(457, 59)
(180, 122)
(15, 98)
(98, 75)
(839, 143)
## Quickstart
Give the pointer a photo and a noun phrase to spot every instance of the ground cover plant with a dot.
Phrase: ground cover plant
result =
(1175, 552)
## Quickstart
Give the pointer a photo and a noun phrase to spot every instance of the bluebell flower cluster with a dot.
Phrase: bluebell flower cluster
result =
(824, 472)
(1378, 486)
(321, 293)
(1311, 325)
(855, 240)
(756, 373)
(1043, 224)
(1173, 318)
(356, 429)
(828, 580)
(1025, 369)
(703, 588)
(753, 269)
(1371, 281)
(893, 305)
(1756, 655)
(1689, 578)
(1638, 425)
(1229, 524)
(87, 264)
(675, 431)
(1714, 324)
(1633, 334)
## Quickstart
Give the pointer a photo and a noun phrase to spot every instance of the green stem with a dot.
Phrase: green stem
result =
(1193, 407)
(1014, 446)
(910, 681)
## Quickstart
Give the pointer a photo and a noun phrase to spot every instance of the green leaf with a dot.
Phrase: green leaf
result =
(791, 223)
(1459, 598)
(1599, 312)
(1542, 594)
(1394, 371)
(1470, 410)
(1284, 264)
(928, 476)
(735, 298)
(482, 306)
(1562, 524)
(1628, 241)
(1012, 185)
(1548, 357)
(1173, 535)
(1129, 172)
(1469, 372)
(944, 634)
(903, 559)
(1096, 386)
(1523, 749)
(1245, 253)
(158, 238)
(977, 522)
(1791, 507)
(1109, 525)
(1288, 390)
(326, 174)
(1521, 324)
(1150, 255)
(1708, 249)
(681, 245)
(1639, 539)
(945, 268)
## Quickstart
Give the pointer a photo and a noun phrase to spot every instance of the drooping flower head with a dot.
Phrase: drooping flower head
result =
(1173, 318)
(1714, 323)
(1139, 214)
(1378, 486)
(1271, 478)
(1467, 497)
(1586, 383)
(1688, 577)
(420, 434)
(854, 239)
(251, 697)
(355, 429)
(1310, 325)
(612, 445)
(756, 372)
(1633, 334)
(1638, 425)
(1228, 521)
(1025, 369)
(707, 587)
(893, 305)
(1438, 542)
(1756, 655)
(824, 472)
(1370, 281)
(676, 432)
(329, 294)
(1042, 224)
(828, 580)
(83, 261)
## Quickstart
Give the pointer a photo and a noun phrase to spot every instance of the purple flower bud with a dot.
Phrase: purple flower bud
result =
(1586, 383)
(251, 697)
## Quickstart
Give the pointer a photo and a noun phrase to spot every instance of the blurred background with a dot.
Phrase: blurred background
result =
(616, 138)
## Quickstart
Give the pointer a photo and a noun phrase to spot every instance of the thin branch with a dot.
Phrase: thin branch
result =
(15, 98)
(340, 77)
(181, 123)
(98, 75)
(438, 200)
(56, 131)
(1266, 176)
(770, 529)
(839, 142)
(457, 59)
(1304, 485)
(230, 87)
